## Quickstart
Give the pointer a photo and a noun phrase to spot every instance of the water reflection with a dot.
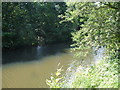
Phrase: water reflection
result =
(32, 53)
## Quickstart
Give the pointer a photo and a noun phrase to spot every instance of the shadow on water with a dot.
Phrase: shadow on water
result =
(32, 53)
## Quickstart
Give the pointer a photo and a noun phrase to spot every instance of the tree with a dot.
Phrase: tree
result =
(33, 23)
(101, 27)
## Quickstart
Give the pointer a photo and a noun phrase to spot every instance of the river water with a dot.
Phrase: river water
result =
(30, 67)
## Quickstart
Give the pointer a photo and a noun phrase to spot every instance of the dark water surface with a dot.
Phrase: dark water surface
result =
(32, 53)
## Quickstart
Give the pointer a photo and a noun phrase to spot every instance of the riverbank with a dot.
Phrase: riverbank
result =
(35, 45)
(100, 75)
(103, 74)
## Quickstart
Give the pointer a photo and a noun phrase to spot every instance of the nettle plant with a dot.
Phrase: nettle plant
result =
(56, 79)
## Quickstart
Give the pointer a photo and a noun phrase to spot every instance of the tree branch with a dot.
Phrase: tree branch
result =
(110, 6)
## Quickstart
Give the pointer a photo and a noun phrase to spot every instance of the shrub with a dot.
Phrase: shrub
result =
(100, 75)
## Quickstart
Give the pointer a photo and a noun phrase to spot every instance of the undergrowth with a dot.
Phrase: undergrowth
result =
(100, 75)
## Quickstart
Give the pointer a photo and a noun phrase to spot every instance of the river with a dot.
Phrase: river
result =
(30, 67)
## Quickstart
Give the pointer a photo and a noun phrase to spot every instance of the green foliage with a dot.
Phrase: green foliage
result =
(101, 75)
(56, 80)
(25, 22)
(100, 28)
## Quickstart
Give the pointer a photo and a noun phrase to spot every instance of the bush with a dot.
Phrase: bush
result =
(100, 75)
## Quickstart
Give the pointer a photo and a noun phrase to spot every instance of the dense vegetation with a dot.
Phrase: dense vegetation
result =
(100, 29)
(90, 24)
(26, 24)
